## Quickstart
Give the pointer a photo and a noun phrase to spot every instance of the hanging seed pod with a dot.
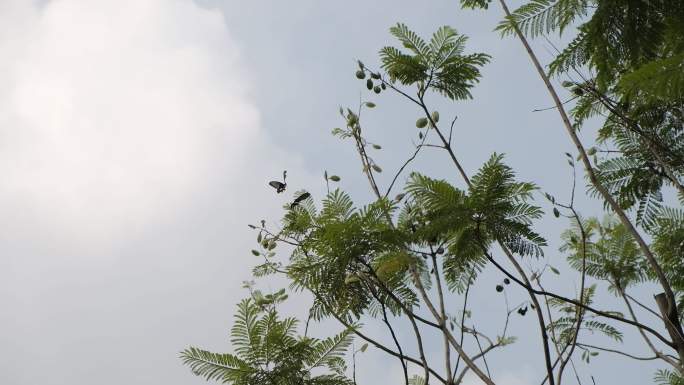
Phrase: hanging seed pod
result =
(360, 74)
(375, 75)
(377, 89)
(421, 123)
(382, 85)
(435, 116)
(499, 288)
(334, 178)
(369, 84)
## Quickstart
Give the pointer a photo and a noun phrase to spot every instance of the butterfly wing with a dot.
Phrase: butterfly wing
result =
(279, 186)
(302, 197)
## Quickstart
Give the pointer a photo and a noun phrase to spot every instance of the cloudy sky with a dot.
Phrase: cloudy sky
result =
(136, 140)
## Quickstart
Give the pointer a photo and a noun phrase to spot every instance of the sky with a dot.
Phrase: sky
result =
(137, 138)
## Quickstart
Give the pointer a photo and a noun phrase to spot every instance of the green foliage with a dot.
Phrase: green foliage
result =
(668, 243)
(565, 327)
(635, 49)
(609, 253)
(656, 81)
(268, 351)
(667, 377)
(439, 65)
(540, 17)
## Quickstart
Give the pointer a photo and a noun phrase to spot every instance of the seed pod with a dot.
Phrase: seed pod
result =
(369, 84)
(382, 85)
(591, 151)
(499, 288)
(334, 178)
(421, 123)
(377, 89)
(440, 250)
(360, 74)
(375, 76)
(377, 146)
(370, 104)
(507, 281)
(351, 278)
(377, 168)
(256, 253)
(435, 116)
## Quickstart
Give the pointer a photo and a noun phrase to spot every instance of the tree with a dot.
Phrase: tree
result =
(268, 351)
(407, 257)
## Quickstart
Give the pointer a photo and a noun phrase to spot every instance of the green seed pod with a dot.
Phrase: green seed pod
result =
(256, 253)
(351, 278)
(382, 85)
(375, 76)
(370, 104)
(334, 178)
(360, 74)
(377, 168)
(377, 146)
(377, 89)
(435, 116)
(369, 84)
(421, 123)
(591, 151)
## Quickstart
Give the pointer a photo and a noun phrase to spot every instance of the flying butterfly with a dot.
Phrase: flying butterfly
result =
(279, 186)
(299, 199)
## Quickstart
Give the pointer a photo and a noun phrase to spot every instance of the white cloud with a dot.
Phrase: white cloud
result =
(132, 158)
(114, 111)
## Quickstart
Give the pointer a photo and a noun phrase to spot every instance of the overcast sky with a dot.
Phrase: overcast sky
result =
(136, 141)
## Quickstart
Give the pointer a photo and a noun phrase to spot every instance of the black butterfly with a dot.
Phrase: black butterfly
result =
(299, 199)
(279, 186)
